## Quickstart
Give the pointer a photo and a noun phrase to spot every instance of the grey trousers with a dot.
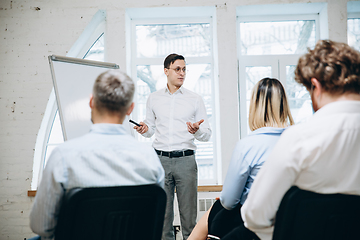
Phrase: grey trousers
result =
(180, 173)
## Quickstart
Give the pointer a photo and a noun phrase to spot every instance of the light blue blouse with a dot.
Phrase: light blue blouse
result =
(249, 155)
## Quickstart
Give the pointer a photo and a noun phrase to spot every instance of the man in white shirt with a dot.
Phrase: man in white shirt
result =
(177, 116)
(321, 155)
(106, 156)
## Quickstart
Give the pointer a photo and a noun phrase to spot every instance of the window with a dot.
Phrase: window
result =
(353, 24)
(90, 45)
(193, 38)
(354, 32)
(96, 52)
(270, 47)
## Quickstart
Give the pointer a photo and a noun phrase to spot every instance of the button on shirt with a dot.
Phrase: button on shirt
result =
(107, 156)
(167, 114)
(248, 156)
(321, 155)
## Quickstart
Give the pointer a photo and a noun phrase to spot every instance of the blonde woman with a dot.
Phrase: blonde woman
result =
(269, 115)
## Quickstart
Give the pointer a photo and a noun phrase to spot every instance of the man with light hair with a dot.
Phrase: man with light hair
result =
(106, 156)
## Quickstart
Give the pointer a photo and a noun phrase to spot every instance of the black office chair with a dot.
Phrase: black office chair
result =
(112, 213)
(305, 215)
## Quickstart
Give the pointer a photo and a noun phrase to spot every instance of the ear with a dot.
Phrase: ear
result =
(166, 71)
(131, 108)
(317, 87)
(91, 102)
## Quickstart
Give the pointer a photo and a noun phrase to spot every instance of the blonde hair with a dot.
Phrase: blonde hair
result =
(268, 105)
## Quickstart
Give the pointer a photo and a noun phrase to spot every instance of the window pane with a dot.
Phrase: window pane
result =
(253, 75)
(56, 136)
(298, 96)
(151, 78)
(190, 40)
(354, 33)
(96, 52)
(283, 37)
(49, 149)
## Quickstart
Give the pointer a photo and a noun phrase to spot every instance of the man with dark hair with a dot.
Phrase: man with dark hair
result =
(106, 156)
(321, 155)
(175, 114)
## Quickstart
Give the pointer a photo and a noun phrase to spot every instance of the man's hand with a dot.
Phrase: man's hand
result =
(143, 129)
(193, 127)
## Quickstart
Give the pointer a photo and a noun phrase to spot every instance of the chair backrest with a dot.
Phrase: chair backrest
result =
(308, 215)
(112, 213)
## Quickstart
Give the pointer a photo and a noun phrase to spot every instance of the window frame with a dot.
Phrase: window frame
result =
(278, 62)
(136, 61)
(351, 15)
(89, 36)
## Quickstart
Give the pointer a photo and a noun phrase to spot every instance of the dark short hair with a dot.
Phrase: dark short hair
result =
(113, 92)
(335, 65)
(171, 59)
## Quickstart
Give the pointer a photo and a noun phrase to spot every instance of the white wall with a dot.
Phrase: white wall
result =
(32, 30)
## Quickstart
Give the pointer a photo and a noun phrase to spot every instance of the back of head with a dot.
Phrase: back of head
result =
(268, 105)
(170, 59)
(335, 65)
(113, 92)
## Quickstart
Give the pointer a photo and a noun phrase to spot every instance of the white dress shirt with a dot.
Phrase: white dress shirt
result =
(322, 155)
(107, 156)
(167, 114)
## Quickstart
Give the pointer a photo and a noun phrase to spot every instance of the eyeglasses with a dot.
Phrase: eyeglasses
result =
(178, 69)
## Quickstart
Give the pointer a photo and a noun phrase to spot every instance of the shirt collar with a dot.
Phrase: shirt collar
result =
(108, 128)
(267, 130)
(180, 90)
(339, 107)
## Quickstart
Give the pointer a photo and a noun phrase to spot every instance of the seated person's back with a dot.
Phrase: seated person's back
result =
(106, 156)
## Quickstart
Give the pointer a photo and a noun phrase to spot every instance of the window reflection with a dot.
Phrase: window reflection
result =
(298, 97)
(192, 40)
(96, 51)
(285, 37)
(354, 33)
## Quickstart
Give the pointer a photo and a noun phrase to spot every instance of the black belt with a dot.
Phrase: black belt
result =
(175, 154)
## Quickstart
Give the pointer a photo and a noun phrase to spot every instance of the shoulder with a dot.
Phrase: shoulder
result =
(262, 139)
(298, 131)
(264, 135)
(158, 92)
(192, 95)
(154, 94)
(189, 92)
(76, 142)
(267, 131)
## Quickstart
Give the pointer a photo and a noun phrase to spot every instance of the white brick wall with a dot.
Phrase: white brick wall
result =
(28, 36)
